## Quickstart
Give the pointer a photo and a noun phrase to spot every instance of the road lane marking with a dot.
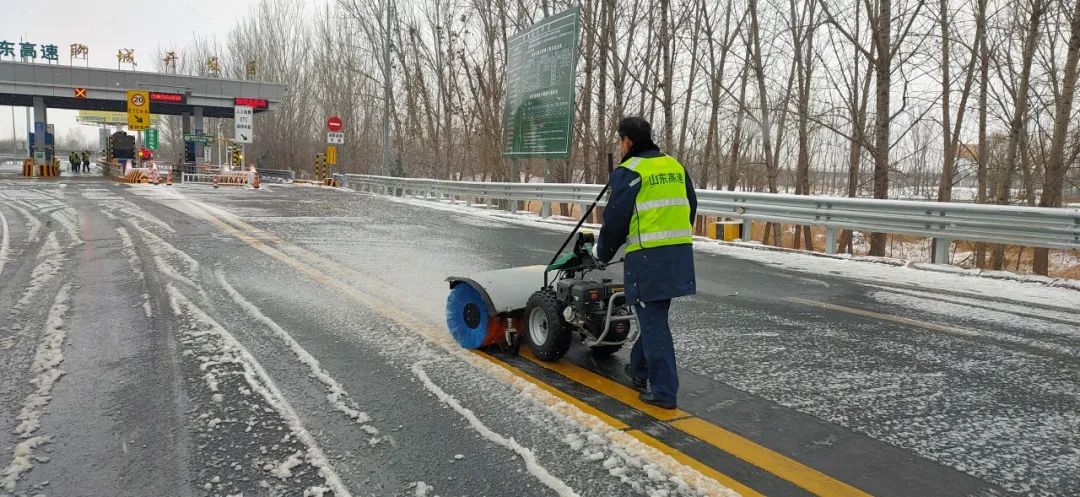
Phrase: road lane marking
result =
(801, 475)
(565, 397)
(259, 239)
(887, 317)
(605, 386)
(701, 467)
(1032, 345)
(788, 469)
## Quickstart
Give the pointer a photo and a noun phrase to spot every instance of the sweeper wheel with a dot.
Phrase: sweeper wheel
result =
(547, 332)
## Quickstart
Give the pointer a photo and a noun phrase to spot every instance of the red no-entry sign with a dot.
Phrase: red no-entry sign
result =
(333, 124)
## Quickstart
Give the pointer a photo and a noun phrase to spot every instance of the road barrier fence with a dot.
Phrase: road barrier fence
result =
(944, 221)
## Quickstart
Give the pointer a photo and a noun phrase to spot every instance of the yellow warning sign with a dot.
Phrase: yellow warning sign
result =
(138, 110)
(331, 155)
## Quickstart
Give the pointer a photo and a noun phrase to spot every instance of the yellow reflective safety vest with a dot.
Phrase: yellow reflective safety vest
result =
(661, 210)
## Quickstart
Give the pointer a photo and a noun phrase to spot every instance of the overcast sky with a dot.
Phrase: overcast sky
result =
(106, 26)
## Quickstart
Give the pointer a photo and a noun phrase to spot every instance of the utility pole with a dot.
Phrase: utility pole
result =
(386, 91)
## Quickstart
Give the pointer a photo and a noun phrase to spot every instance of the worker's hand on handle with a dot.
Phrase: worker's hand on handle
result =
(595, 253)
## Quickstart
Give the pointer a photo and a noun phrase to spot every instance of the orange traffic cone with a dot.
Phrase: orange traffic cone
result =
(215, 181)
(168, 179)
(255, 180)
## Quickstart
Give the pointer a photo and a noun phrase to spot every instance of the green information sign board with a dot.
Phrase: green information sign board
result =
(150, 138)
(538, 115)
(198, 138)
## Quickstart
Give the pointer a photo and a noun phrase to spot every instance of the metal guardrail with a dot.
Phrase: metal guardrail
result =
(280, 174)
(110, 169)
(197, 178)
(1011, 225)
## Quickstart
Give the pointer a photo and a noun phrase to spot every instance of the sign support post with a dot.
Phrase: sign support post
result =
(545, 210)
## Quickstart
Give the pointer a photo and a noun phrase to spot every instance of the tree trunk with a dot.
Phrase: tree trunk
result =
(1053, 182)
(883, 76)
(984, 147)
(1018, 123)
(763, 102)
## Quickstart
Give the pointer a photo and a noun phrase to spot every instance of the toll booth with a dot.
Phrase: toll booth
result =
(50, 146)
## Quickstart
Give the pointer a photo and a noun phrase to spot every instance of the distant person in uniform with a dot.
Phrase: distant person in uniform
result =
(651, 209)
(86, 161)
(73, 160)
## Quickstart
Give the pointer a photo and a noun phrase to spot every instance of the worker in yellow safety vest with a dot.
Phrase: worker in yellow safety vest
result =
(651, 209)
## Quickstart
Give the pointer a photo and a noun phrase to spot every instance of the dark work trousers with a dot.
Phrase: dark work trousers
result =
(653, 355)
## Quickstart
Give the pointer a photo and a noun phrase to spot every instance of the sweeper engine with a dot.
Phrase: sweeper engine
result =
(594, 310)
(587, 303)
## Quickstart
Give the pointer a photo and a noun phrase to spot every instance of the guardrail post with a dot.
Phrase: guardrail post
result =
(545, 210)
(941, 251)
(746, 232)
(830, 240)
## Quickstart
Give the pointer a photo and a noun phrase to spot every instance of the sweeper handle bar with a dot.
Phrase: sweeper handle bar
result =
(584, 216)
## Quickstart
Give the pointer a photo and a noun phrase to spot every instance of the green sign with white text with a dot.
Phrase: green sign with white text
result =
(150, 138)
(538, 115)
(198, 138)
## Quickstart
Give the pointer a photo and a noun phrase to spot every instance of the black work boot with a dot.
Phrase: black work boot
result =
(648, 398)
(638, 383)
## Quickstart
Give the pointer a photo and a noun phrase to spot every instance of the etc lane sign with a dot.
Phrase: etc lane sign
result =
(138, 110)
(244, 117)
(538, 114)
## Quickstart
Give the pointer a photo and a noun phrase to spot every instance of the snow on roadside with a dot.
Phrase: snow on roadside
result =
(336, 394)
(531, 464)
(214, 337)
(944, 278)
(47, 372)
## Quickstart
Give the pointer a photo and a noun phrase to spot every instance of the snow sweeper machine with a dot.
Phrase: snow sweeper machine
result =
(546, 306)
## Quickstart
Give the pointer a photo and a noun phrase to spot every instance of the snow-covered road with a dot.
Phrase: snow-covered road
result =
(289, 341)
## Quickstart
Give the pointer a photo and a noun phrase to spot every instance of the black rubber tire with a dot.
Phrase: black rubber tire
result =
(557, 342)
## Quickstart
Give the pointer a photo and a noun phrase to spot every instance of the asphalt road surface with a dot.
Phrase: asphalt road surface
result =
(290, 341)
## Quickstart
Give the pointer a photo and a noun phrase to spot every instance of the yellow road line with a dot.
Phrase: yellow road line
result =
(801, 475)
(773, 462)
(726, 480)
(613, 389)
(615, 423)
(886, 317)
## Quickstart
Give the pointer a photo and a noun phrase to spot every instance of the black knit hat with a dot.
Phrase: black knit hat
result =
(636, 129)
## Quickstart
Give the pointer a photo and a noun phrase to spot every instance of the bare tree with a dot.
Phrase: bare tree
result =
(1053, 182)
(1017, 124)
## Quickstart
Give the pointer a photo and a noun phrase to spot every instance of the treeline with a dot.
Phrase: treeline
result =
(968, 100)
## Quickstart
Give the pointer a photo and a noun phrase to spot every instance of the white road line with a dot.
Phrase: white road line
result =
(526, 455)
(337, 396)
(259, 381)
